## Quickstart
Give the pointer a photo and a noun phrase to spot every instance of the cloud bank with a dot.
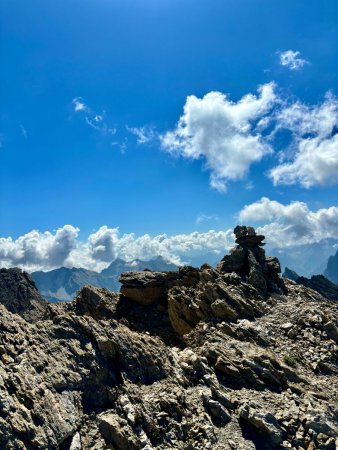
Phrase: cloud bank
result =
(46, 251)
(291, 224)
(283, 225)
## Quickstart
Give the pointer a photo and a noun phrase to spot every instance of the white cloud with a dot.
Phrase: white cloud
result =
(143, 134)
(103, 244)
(292, 60)
(36, 250)
(45, 251)
(291, 224)
(79, 104)
(314, 146)
(225, 134)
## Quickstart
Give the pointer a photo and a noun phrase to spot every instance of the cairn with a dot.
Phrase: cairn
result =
(248, 260)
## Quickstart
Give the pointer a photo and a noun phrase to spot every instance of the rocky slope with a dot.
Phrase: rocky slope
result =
(226, 358)
(64, 283)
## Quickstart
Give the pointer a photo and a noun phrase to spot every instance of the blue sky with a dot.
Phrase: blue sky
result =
(132, 64)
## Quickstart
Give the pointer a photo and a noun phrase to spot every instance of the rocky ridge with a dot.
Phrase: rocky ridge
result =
(226, 358)
(318, 283)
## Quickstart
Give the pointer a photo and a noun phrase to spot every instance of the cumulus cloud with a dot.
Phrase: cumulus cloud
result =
(291, 224)
(103, 244)
(314, 147)
(292, 60)
(46, 251)
(35, 250)
(226, 135)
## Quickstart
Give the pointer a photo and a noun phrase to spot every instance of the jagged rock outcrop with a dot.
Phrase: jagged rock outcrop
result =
(290, 274)
(248, 260)
(145, 287)
(214, 362)
(20, 295)
(320, 284)
(317, 282)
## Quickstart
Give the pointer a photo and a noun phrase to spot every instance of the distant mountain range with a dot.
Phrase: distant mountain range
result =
(63, 283)
(308, 259)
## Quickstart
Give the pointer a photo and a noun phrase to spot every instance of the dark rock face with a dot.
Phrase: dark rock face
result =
(211, 362)
(290, 274)
(317, 282)
(331, 271)
(20, 295)
(248, 260)
(320, 284)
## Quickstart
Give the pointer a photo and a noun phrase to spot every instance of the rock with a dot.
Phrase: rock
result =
(247, 237)
(332, 331)
(249, 262)
(76, 442)
(217, 411)
(264, 422)
(143, 287)
(98, 303)
(319, 421)
(290, 274)
(223, 311)
(20, 295)
(256, 277)
(235, 262)
(117, 431)
(217, 360)
(320, 284)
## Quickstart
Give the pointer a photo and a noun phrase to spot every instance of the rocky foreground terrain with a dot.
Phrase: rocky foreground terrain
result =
(226, 358)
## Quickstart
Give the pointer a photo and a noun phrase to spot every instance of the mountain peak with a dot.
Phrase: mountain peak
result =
(331, 271)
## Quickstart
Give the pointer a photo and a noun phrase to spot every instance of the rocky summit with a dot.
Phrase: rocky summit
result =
(231, 358)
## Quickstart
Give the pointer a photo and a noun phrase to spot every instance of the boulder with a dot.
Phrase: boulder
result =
(144, 287)
(265, 424)
(96, 302)
(247, 237)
